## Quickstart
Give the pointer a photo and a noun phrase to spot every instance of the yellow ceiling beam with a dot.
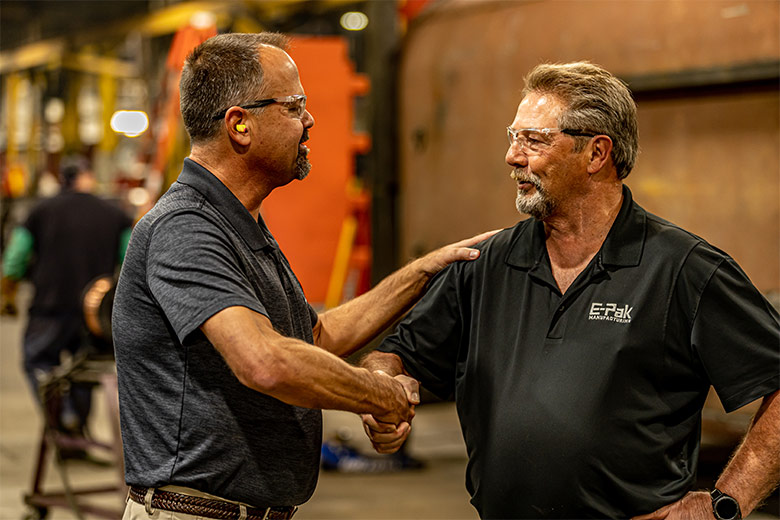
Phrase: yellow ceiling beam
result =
(171, 19)
(31, 55)
(101, 65)
(51, 53)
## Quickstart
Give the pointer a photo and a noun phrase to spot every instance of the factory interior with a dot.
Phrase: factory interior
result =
(411, 100)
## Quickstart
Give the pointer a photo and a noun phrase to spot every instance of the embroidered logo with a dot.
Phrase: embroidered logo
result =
(610, 312)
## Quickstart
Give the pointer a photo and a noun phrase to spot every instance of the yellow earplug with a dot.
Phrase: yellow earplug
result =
(241, 128)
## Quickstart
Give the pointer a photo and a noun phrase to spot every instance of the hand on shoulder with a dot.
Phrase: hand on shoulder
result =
(437, 260)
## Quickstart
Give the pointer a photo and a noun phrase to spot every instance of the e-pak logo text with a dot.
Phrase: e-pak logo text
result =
(610, 312)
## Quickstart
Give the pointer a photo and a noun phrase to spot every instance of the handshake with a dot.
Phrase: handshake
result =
(389, 430)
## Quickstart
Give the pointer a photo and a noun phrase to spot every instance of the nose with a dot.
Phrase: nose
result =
(515, 155)
(308, 119)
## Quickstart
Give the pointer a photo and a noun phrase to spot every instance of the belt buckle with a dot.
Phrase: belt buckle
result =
(289, 513)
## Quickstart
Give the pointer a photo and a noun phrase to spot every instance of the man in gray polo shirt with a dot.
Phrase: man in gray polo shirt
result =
(223, 365)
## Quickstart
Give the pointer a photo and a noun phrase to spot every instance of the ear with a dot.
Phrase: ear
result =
(599, 153)
(237, 126)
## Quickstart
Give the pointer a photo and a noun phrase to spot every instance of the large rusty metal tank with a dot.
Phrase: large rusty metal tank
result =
(705, 76)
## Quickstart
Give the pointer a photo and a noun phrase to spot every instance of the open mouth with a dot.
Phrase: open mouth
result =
(302, 148)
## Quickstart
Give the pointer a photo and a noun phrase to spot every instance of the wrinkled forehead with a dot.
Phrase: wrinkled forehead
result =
(538, 110)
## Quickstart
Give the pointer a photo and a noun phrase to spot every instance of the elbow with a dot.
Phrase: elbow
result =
(265, 376)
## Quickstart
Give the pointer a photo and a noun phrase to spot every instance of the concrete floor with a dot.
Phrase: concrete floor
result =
(435, 492)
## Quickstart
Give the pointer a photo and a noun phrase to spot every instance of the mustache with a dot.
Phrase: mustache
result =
(305, 136)
(526, 176)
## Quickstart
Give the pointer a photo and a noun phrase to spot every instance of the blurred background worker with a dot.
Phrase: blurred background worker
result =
(66, 242)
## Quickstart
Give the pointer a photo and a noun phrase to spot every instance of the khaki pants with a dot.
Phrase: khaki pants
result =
(136, 511)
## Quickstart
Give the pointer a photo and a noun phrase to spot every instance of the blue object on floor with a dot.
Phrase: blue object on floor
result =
(339, 456)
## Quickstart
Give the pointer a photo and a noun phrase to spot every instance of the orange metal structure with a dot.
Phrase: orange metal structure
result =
(324, 217)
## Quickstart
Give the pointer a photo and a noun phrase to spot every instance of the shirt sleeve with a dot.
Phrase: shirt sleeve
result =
(193, 272)
(428, 340)
(18, 253)
(124, 226)
(736, 333)
(124, 240)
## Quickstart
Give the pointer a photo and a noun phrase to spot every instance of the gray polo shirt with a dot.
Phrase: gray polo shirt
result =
(186, 419)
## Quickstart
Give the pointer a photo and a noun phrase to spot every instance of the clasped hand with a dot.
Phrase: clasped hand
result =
(387, 437)
(696, 505)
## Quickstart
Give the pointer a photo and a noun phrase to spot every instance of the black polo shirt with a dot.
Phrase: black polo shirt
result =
(76, 238)
(186, 419)
(588, 404)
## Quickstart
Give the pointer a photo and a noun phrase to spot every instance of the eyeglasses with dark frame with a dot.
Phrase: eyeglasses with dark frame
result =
(296, 102)
(531, 138)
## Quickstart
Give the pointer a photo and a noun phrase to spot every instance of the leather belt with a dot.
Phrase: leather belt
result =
(208, 507)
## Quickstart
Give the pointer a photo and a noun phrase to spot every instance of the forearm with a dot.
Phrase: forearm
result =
(350, 326)
(754, 470)
(297, 373)
(312, 378)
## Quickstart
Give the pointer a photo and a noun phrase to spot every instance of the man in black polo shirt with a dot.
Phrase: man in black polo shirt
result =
(66, 242)
(222, 363)
(581, 345)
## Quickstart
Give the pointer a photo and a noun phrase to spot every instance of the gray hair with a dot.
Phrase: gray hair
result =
(219, 73)
(596, 101)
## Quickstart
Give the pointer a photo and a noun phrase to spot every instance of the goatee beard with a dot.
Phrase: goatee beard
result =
(539, 205)
(302, 167)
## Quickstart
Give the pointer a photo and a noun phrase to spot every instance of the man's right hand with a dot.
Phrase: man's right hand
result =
(401, 408)
(385, 433)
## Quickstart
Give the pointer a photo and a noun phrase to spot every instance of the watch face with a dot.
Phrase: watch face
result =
(726, 508)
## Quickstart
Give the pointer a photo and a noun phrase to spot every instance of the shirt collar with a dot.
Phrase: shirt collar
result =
(622, 247)
(207, 184)
(626, 240)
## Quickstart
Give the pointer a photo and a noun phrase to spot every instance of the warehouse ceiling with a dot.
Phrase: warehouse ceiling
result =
(27, 21)
(87, 21)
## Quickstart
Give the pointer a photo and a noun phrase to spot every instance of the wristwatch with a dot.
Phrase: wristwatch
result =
(725, 507)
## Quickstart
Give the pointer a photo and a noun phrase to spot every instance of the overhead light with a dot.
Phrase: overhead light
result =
(354, 21)
(131, 123)
(54, 111)
(203, 20)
